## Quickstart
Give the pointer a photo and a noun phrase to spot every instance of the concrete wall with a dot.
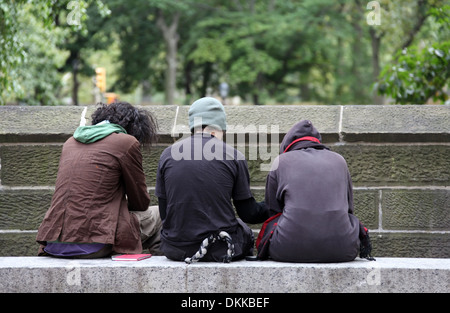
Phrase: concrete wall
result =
(161, 275)
(398, 156)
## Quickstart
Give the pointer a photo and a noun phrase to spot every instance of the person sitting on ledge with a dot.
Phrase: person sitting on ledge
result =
(310, 197)
(196, 179)
(101, 204)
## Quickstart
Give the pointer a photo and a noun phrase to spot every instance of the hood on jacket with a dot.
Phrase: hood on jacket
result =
(93, 133)
(301, 135)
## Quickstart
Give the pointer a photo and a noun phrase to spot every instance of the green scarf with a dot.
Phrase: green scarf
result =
(93, 133)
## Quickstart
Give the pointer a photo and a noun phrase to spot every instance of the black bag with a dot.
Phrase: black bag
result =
(365, 247)
(266, 232)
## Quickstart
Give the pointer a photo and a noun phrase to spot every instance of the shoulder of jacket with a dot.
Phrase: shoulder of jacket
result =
(336, 155)
(123, 143)
(125, 138)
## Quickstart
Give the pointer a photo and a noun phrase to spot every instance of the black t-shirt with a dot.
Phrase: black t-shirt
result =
(198, 176)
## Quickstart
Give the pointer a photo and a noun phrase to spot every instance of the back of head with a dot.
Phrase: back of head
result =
(302, 129)
(207, 111)
(137, 122)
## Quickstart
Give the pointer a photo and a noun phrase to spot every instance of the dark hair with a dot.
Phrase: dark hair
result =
(137, 122)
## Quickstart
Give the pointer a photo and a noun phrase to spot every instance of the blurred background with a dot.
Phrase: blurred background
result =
(265, 52)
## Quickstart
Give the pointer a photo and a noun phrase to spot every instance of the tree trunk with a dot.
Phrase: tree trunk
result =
(422, 14)
(171, 37)
(255, 98)
(257, 88)
(76, 84)
(357, 56)
(376, 40)
(207, 69)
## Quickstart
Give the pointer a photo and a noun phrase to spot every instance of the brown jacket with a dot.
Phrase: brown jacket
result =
(96, 186)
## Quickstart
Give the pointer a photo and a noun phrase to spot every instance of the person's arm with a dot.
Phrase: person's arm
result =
(134, 179)
(247, 208)
(250, 211)
(160, 188)
(350, 193)
(272, 200)
(162, 204)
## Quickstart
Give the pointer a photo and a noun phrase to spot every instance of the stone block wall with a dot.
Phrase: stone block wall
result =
(398, 156)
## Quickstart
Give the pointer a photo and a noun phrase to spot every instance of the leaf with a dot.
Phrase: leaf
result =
(439, 53)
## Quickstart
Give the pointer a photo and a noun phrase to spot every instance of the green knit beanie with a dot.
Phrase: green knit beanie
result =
(207, 111)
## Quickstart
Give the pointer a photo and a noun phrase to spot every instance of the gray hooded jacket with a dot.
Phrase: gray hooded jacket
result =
(311, 186)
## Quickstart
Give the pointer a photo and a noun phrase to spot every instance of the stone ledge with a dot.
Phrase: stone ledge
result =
(158, 274)
(396, 123)
(372, 123)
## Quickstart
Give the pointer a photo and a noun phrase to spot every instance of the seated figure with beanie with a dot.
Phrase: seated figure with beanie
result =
(199, 178)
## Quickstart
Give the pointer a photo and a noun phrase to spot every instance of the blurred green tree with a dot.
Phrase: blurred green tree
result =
(35, 46)
(268, 51)
(421, 71)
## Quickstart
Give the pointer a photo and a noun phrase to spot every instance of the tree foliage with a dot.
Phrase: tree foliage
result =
(421, 73)
(268, 51)
(37, 42)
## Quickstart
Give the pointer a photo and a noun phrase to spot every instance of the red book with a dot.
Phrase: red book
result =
(130, 257)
